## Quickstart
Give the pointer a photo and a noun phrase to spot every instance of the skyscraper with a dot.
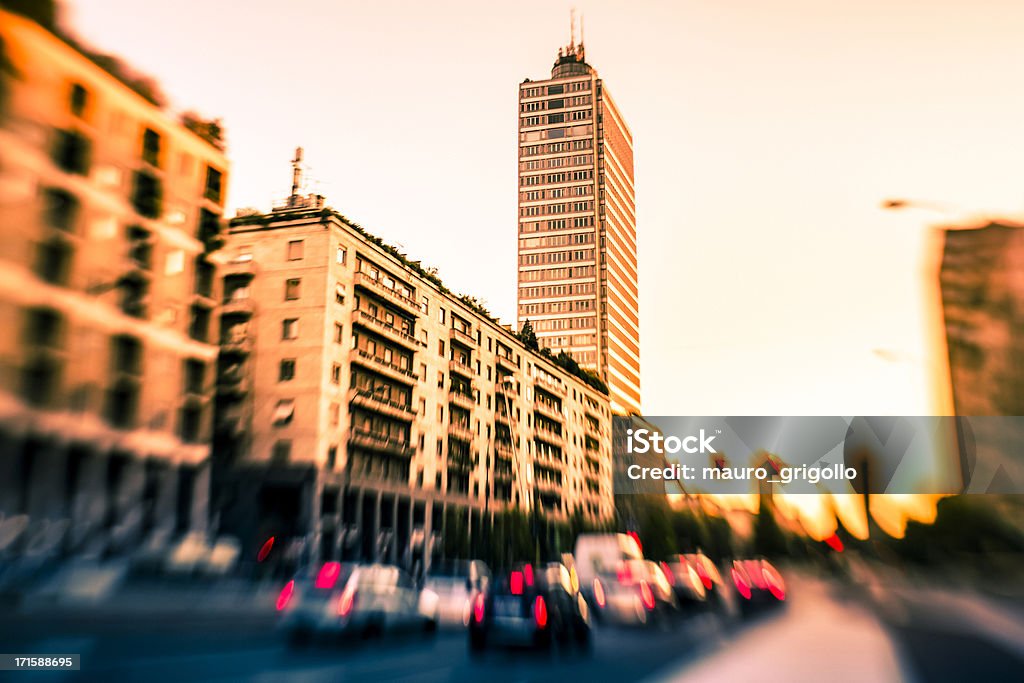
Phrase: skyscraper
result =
(577, 224)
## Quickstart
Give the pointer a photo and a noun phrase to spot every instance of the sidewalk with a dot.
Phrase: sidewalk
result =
(817, 637)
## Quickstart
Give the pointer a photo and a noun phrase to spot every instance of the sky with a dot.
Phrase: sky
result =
(766, 136)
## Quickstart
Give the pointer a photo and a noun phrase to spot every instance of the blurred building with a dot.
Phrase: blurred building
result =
(577, 224)
(109, 211)
(363, 406)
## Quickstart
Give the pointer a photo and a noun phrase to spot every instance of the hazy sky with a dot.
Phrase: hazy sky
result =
(766, 135)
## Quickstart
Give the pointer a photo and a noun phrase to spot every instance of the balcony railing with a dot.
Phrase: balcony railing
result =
(549, 485)
(461, 432)
(548, 410)
(462, 400)
(460, 368)
(507, 363)
(593, 429)
(238, 268)
(370, 400)
(380, 442)
(380, 327)
(385, 368)
(506, 389)
(236, 344)
(465, 338)
(552, 385)
(393, 295)
(504, 450)
(549, 435)
(244, 307)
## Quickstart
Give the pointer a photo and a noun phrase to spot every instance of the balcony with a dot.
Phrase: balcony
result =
(236, 268)
(461, 432)
(509, 390)
(504, 450)
(550, 385)
(382, 443)
(548, 410)
(507, 364)
(593, 428)
(369, 400)
(464, 338)
(364, 319)
(391, 295)
(384, 368)
(242, 307)
(236, 345)
(501, 417)
(549, 436)
(458, 398)
(460, 369)
(548, 485)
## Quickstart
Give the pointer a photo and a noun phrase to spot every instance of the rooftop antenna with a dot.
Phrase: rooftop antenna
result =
(572, 30)
(582, 48)
(296, 172)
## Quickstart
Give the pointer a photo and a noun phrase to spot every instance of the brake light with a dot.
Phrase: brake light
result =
(478, 608)
(742, 587)
(540, 612)
(625, 573)
(515, 583)
(776, 585)
(835, 543)
(646, 595)
(599, 593)
(758, 577)
(667, 571)
(528, 574)
(285, 596)
(346, 603)
(328, 575)
(702, 572)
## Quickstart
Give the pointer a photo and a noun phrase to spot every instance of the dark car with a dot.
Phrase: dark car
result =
(758, 585)
(696, 574)
(528, 608)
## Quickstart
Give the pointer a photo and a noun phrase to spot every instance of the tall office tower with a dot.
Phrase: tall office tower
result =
(577, 224)
(109, 218)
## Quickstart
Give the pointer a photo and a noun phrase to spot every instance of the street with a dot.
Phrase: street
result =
(872, 634)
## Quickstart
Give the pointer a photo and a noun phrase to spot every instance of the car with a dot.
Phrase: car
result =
(449, 587)
(533, 609)
(372, 599)
(696, 580)
(599, 560)
(759, 585)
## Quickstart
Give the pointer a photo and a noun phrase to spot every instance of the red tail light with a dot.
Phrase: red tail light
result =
(667, 571)
(478, 608)
(625, 573)
(742, 587)
(646, 595)
(515, 583)
(758, 577)
(599, 593)
(702, 572)
(346, 602)
(328, 575)
(540, 612)
(285, 596)
(835, 543)
(776, 585)
(528, 574)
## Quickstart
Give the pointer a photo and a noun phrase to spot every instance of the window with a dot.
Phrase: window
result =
(338, 329)
(61, 209)
(295, 250)
(284, 412)
(53, 261)
(214, 179)
(175, 262)
(286, 370)
(339, 256)
(148, 195)
(440, 315)
(79, 99)
(199, 323)
(335, 374)
(339, 293)
(440, 380)
(290, 328)
(440, 347)
(425, 305)
(195, 372)
(281, 451)
(151, 147)
(72, 152)
(292, 289)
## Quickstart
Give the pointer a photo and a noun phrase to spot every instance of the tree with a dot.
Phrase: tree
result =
(528, 336)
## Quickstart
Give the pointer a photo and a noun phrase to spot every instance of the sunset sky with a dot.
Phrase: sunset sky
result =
(766, 135)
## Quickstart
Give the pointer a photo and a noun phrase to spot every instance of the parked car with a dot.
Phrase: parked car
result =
(599, 560)
(449, 587)
(697, 580)
(530, 609)
(758, 585)
(373, 599)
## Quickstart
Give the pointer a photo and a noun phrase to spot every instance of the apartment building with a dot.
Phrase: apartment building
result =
(577, 224)
(363, 406)
(109, 212)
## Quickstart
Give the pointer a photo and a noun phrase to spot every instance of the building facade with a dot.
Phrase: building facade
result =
(364, 407)
(109, 213)
(577, 224)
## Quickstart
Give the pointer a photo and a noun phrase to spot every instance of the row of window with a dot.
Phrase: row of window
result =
(556, 240)
(549, 274)
(552, 178)
(581, 323)
(560, 103)
(556, 147)
(557, 133)
(557, 307)
(544, 120)
(557, 193)
(557, 224)
(555, 209)
(556, 257)
(557, 290)
(556, 89)
(556, 162)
